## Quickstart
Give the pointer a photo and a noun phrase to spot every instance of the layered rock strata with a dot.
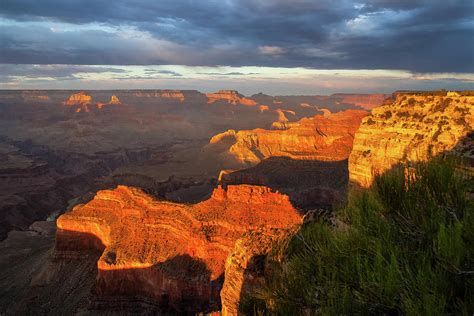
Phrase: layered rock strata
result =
(229, 96)
(414, 127)
(325, 138)
(171, 253)
(245, 266)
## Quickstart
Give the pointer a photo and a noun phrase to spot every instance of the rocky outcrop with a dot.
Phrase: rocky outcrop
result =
(81, 99)
(173, 254)
(366, 101)
(177, 95)
(245, 266)
(263, 108)
(229, 96)
(325, 138)
(114, 100)
(413, 127)
(173, 94)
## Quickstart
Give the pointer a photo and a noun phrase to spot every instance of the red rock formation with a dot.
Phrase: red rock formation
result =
(245, 266)
(172, 253)
(326, 138)
(366, 101)
(79, 100)
(114, 100)
(283, 120)
(413, 127)
(173, 94)
(166, 94)
(263, 108)
(230, 96)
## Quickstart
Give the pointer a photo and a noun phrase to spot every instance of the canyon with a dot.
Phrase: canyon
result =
(324, 138)
(68, 144)
(170, 254)
(168, 201)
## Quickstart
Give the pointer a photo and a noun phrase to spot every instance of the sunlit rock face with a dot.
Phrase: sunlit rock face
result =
(114, 100)
(413, 127)
(165, 94)
(245, 266)
(325, 138)
(366, 101)
(80, 98)
(229, 96)
(80, 101)
(171, 253)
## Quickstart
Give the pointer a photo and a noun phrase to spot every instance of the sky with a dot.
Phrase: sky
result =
(271, 46)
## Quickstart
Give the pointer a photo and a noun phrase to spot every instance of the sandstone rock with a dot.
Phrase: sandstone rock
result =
(230, 96)
(366, 101)
(80, 98)
(245, 266)
(414, 127)
(326, 138)
(166, 94)
(79, 101)
(114, 100)
(171, 253)
(263, 108)
(173, 94)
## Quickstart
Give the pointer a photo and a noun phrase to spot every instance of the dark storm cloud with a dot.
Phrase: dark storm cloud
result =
(415, 35)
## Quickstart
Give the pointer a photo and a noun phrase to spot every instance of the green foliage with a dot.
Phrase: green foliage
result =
(387, 115)
(411, 101)
(370, 121)
(404, 246)
(440, 107)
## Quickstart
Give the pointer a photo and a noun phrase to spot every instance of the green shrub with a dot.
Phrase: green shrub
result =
(411, 101)
(405, 246)
(370, 121)
(387, 115)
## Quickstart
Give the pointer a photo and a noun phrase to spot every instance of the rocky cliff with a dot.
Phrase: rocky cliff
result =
(177, 95)
(114, 100)
(173, 254)
(366, 101)
(80, 101)
(80, 98)
(325, 138)
(245, 266)
(229, 96)
(413, 127)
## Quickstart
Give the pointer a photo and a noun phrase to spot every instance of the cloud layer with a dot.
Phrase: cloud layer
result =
(419, 36)
(248, 80)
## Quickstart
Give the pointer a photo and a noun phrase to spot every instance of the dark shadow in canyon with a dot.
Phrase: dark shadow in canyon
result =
(37, 189)
(308, 183)
(179, 285)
